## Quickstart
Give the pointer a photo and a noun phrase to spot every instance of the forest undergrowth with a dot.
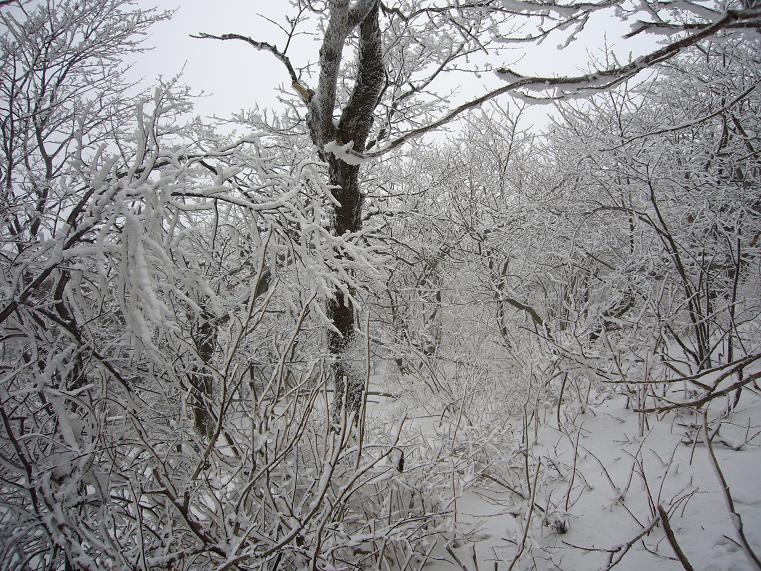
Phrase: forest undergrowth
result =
(608, 486)
(298, 339)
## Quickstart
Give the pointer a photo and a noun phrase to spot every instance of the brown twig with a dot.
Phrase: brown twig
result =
(697, 403)
(736, 517)
(672, 539)
(305, 93)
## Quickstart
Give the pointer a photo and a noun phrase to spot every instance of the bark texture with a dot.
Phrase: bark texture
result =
(204, 335)
(354, 125)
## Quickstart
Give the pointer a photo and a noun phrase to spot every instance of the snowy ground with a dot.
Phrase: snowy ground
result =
(620, 479)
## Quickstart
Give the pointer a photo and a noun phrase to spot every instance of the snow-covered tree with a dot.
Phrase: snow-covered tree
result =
(368, 107)
(177, 304)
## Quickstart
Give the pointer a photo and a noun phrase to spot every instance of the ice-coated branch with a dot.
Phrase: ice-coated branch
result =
(359, 11)
(582, 85)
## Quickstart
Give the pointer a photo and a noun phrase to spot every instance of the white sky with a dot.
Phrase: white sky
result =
(235, 76)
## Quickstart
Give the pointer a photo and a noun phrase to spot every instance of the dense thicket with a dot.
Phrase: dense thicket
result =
(169, 394)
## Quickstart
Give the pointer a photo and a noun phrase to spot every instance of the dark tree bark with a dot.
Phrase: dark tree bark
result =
(204, 335)
(354, 126)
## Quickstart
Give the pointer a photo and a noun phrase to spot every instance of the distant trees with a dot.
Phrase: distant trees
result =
(624, 237)
(666, 169)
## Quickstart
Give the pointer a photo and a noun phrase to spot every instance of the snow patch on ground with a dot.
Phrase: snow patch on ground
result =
(621, 475)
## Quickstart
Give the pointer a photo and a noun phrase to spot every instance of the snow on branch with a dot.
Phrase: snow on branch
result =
(359, 11)
(564, 87)
(346, 153)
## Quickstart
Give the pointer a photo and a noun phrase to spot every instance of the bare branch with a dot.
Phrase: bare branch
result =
(305, 93)
(672, 539)
(694, 123)
(737, 521)
(706, 398)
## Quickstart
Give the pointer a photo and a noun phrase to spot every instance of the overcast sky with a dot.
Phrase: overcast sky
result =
(234, 76)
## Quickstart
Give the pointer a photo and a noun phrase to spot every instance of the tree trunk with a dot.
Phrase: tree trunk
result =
(348, 218)
(204, 334)
(354, 126)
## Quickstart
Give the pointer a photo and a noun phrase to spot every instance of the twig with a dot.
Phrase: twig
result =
(737, 521)
(707, 398)
(454, 556)
(617, 553)
(522, 545)
(573, 468)
(672, 539)
(305, 93)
